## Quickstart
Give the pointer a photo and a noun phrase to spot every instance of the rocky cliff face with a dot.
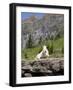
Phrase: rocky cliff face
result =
(50, 25)
(50, 67)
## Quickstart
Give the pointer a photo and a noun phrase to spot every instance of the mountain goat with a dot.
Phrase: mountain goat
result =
(43, 54)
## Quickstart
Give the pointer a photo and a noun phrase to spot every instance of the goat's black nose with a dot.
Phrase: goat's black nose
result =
(45, 51)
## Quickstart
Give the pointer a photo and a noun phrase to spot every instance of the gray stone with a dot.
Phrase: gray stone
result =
(28, 75)
(43, 68)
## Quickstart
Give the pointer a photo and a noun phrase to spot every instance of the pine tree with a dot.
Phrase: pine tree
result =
(62, 50)
(40, 40)
(29, 42)
(51, 48)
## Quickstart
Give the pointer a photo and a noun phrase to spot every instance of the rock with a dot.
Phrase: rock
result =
(47, 26)
(49, 72)
(40, 69)
(36, 69)
(28, 75)
(50, 67)
(23, 72)
(61, 64)
(55, 66)
(36, 63)
(23, 63)
(27, 68)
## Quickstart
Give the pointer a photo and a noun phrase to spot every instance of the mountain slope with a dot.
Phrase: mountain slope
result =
(47, 27)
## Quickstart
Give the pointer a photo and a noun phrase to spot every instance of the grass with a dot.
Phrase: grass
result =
(31, 53)
(58, 45)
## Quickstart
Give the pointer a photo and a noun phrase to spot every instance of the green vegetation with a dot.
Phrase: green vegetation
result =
(55, 47)
(50, 47)
(31, 52)
(30, 42)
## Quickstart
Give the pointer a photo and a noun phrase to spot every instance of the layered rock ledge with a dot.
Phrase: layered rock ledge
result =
(44, 67)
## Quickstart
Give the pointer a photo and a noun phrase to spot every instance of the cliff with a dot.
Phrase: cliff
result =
(49, 26)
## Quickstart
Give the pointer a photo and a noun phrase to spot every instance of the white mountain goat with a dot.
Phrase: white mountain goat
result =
(43, 54)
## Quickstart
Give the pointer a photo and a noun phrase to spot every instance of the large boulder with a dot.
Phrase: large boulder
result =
(50, 67)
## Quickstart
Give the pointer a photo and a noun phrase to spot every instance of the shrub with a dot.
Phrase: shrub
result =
(25, 55)
(50, 47)
(62, 50)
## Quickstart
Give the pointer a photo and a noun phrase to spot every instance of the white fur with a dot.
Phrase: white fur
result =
(43, 53)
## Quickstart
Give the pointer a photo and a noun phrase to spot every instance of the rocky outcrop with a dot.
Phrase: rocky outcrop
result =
(48, 26)
(51, 67)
